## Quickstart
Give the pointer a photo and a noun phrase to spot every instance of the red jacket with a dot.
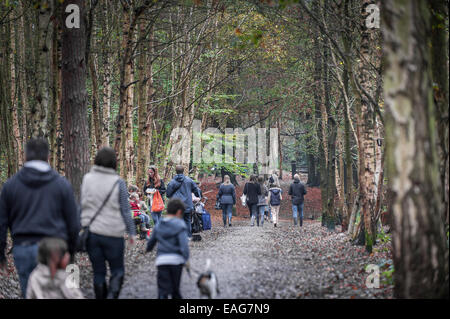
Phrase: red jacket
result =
(135, 208)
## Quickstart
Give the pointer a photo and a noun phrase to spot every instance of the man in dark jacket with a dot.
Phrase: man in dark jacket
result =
(36, 203)
(297, 191)
(182, 187)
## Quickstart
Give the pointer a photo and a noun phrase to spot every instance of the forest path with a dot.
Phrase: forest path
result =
(268, 262)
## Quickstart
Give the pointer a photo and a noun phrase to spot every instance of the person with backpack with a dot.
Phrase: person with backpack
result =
(182, 187)
(275, 202)
(106, 211)
(297, 190)
(227, 198)
(262, 201)
(36, 203)
(252, 190)
(152, 185)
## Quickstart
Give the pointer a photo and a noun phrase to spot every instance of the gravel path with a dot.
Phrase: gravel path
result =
(255, 262)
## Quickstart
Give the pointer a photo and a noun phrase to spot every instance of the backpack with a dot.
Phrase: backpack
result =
(275, 197)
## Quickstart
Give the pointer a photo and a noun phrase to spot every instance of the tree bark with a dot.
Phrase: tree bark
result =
(439, 65)
(420, 250)
(42, 84)
(365, 117)
(74, 99)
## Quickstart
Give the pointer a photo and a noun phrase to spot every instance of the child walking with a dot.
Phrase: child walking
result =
(173, 249)
(48, 279)
(275, 202)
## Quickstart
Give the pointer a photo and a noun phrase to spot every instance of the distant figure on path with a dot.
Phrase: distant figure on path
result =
(48, 279)
(36, 203)
(227, 198)
(104, 195)
(182, 187)
(262, 201)
(273, 179)
(252, 190)
(297, 190)
(275, 202)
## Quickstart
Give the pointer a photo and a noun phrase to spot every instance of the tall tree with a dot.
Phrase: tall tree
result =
(419, 242)
(74, 99)
(439, 60)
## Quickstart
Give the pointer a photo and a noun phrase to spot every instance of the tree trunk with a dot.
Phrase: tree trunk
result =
(106, 107)
(420, 250)
(14, 98)
(73, 104)
(145, 93)
(95, 111)
(42, 84)
(365, 117)
(439, 64)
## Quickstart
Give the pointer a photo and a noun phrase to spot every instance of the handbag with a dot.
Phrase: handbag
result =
(244, 200)
(84, 233)
(157, 202)
(217, 205)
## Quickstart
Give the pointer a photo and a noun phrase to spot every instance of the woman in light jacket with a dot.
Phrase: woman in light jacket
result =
(227, 198)
(106, 232)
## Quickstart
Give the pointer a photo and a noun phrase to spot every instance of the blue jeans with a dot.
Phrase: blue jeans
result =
(298, 210)
(269, 212)
(145, 219)
(253, 208)
(227, 211)
(102, 249)
(156, 216)
(187, 220)
(260, 215)
(25, 259)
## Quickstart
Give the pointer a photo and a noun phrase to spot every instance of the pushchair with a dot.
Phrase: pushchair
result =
(198, 220)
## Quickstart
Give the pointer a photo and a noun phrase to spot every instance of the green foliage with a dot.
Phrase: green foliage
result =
(383, 237)
(387, 274)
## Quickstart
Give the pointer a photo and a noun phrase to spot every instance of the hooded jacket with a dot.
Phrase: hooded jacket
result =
(297, 190)
(171, 235)
(37, 203)
(182, 187)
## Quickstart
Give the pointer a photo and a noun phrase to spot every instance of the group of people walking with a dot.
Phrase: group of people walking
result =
(39, 208)
(263, 198)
